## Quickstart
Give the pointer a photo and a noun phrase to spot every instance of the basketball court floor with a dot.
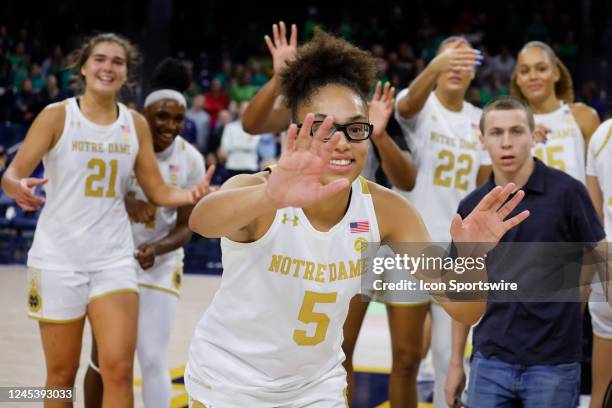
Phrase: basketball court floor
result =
(22, 361)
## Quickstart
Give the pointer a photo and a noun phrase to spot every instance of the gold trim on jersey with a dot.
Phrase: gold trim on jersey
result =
(166, 290)
(197, 404)
(345, 395)
(58, 321)
(365, 189)
(112, 292)
(608, 136)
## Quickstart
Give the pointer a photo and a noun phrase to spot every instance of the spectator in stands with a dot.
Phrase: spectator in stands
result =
(492, 88)
(502, 65)
(201, 120)
(238, 148)
(259, 78)
(215, 101)
(590, 95)
(73, 86)
(27, 104)
(54, 64)
(267, 150)
(224, 77)
(537, 31)
(243, 91)
(67, 75)
(51, 93)
(216, 133)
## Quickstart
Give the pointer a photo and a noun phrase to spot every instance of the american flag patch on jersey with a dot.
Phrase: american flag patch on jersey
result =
(360, 226)
(174, 168)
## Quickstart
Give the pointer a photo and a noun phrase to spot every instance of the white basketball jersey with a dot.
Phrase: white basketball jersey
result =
(447, 151)
(599, 164)
(182, 166)
(275, 324)
(564, 148)
(84, 225)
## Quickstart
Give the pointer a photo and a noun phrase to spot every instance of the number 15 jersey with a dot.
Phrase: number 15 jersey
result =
(446, 149)
(84, 225)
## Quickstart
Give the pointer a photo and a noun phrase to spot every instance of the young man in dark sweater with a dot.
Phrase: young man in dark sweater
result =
(527, 347)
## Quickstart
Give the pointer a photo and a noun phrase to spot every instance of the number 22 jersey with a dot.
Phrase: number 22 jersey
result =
(83, 224)
(446, 149)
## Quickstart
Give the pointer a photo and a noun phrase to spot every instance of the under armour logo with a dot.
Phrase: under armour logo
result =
(294, 221)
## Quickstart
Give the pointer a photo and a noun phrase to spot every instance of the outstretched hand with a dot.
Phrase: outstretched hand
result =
(296, 181)
(26, 197)
(203, 187)
(487, 222)
(281, 50)
(381, 108)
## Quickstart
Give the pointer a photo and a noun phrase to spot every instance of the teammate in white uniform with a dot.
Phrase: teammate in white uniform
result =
(599, 184)
(268, 112)
(159, 234)
(81, 262)
(441, 129)
(563, 127)
(292, 240)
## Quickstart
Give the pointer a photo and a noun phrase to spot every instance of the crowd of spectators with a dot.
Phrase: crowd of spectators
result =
(34, 73)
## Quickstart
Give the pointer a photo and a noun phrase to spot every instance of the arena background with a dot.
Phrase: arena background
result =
(223, 41)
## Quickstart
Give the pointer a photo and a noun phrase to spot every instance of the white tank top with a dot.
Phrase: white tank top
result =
(599, 164)
(84, 225)
(446, 149)
(564, 149)
(275, 324)
(182, 166)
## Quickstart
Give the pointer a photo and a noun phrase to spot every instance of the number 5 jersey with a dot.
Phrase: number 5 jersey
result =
(84, 225)
(274, 326)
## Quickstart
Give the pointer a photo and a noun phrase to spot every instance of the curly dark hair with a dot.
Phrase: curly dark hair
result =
(326, 60)
(171, 74)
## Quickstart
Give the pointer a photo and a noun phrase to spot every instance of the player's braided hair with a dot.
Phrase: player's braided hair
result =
(564, 87)
(325, 60)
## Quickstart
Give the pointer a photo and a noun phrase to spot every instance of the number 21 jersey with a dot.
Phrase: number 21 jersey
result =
(84, 224)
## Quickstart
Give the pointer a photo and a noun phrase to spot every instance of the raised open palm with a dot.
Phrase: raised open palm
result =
(487, 222)
(296, 181)
(381, 108)
(281, 50)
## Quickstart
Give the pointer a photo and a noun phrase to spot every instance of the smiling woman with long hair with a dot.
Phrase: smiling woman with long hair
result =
(81, 262)
(563, 128)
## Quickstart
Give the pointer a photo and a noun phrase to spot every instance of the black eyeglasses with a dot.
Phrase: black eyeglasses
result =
(354, 132)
